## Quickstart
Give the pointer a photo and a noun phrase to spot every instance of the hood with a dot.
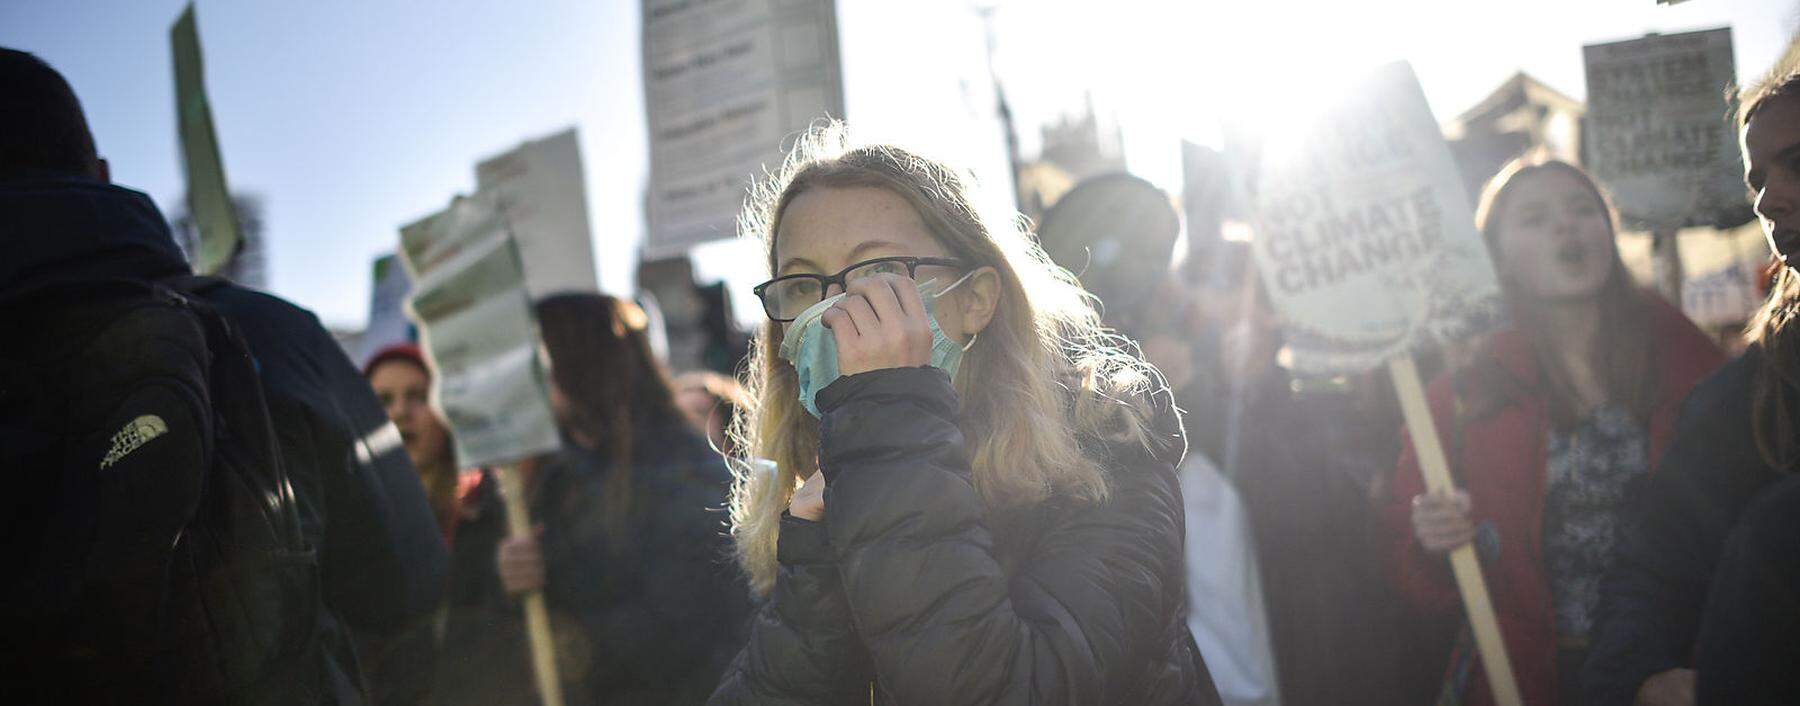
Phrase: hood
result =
(58, 229)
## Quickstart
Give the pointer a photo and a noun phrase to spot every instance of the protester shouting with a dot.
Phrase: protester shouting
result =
(631, 551)
(402, 382)
(399, 667)
(973, 495)
(1737, 435)
(1544, 428)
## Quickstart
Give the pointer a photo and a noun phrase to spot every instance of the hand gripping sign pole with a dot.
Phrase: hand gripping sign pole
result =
(537, 617)
(1436, 469)
(1366, 245)
(475, 316)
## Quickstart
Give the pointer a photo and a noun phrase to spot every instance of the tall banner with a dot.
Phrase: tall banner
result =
(1367, 246)
(209, 200)
(725, 83)
(540, 187)
(1659, 134)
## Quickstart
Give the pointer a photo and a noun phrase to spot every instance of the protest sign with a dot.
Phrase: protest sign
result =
(472, 303)
(1367, 247)
(1659, 134)
(209, 200)
(1660, 138)
(724, 84)
(540, 189)
(1364, 236)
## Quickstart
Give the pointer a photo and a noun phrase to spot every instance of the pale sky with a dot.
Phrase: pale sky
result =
(351, 118)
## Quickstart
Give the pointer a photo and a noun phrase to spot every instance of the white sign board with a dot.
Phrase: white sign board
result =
(388, 324)
(540, 188)
(476, 319)
(1363, 233)
(1658, 132)
(725, 82)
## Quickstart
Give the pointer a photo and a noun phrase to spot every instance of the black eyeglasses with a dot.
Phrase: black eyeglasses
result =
(785, 297)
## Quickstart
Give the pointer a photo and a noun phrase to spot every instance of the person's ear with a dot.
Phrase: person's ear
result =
(980, 299)
(102, 169)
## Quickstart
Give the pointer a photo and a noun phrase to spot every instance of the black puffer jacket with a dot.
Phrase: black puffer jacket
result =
(912, 592)
(1675, 525)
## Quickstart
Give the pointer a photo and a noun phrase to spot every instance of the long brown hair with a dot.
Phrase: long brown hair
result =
(1048, 373)
(601, 360)
(1625, 352)
(1773, 401)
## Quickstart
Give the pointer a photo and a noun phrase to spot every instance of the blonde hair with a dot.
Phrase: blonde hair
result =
(1049, 373)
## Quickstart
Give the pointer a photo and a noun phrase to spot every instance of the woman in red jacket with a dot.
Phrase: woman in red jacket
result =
(1545, 427)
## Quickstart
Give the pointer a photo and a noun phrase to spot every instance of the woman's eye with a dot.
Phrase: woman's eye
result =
(886, 268)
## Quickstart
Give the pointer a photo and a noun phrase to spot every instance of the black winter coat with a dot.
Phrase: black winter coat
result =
(1750, 635)
(651, 619)
(1674, 526)
(912, 592)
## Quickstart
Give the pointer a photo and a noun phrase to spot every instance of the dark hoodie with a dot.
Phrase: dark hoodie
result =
(381, 561)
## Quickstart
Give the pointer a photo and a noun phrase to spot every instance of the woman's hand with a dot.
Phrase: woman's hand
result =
(521, 563)
(881, 324)
(809, 499)
(1674, 687)
(1441, 521)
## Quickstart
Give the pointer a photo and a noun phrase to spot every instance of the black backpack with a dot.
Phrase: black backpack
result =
(156, 548)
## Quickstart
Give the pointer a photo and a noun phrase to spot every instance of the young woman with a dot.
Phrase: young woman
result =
(1545, 428)
(631, 553)
(402, 382)
(973, 497)
(1737, 436)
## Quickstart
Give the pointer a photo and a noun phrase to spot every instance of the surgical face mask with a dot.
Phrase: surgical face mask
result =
(812, 348)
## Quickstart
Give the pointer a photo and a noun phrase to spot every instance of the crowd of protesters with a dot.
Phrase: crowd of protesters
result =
(961, 463)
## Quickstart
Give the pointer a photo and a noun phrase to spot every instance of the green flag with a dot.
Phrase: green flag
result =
(209, 201)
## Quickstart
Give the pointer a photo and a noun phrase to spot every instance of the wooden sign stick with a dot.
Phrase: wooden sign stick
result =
(1436, 469)
(537, 619)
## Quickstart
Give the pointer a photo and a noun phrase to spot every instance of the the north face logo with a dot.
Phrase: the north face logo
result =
(139, 432)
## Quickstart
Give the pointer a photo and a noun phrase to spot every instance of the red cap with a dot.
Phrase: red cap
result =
(409, 352)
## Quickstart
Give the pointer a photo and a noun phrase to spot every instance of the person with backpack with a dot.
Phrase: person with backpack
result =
(206, 500)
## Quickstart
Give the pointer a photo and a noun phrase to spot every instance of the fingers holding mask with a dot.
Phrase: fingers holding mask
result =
(891, 329)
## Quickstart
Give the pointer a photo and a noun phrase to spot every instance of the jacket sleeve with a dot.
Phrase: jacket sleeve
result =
(664, 630)
(1750, 634)
(1673, 525)
(943, 621)
(382, 560)
(1423, 578)
(803, 648)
